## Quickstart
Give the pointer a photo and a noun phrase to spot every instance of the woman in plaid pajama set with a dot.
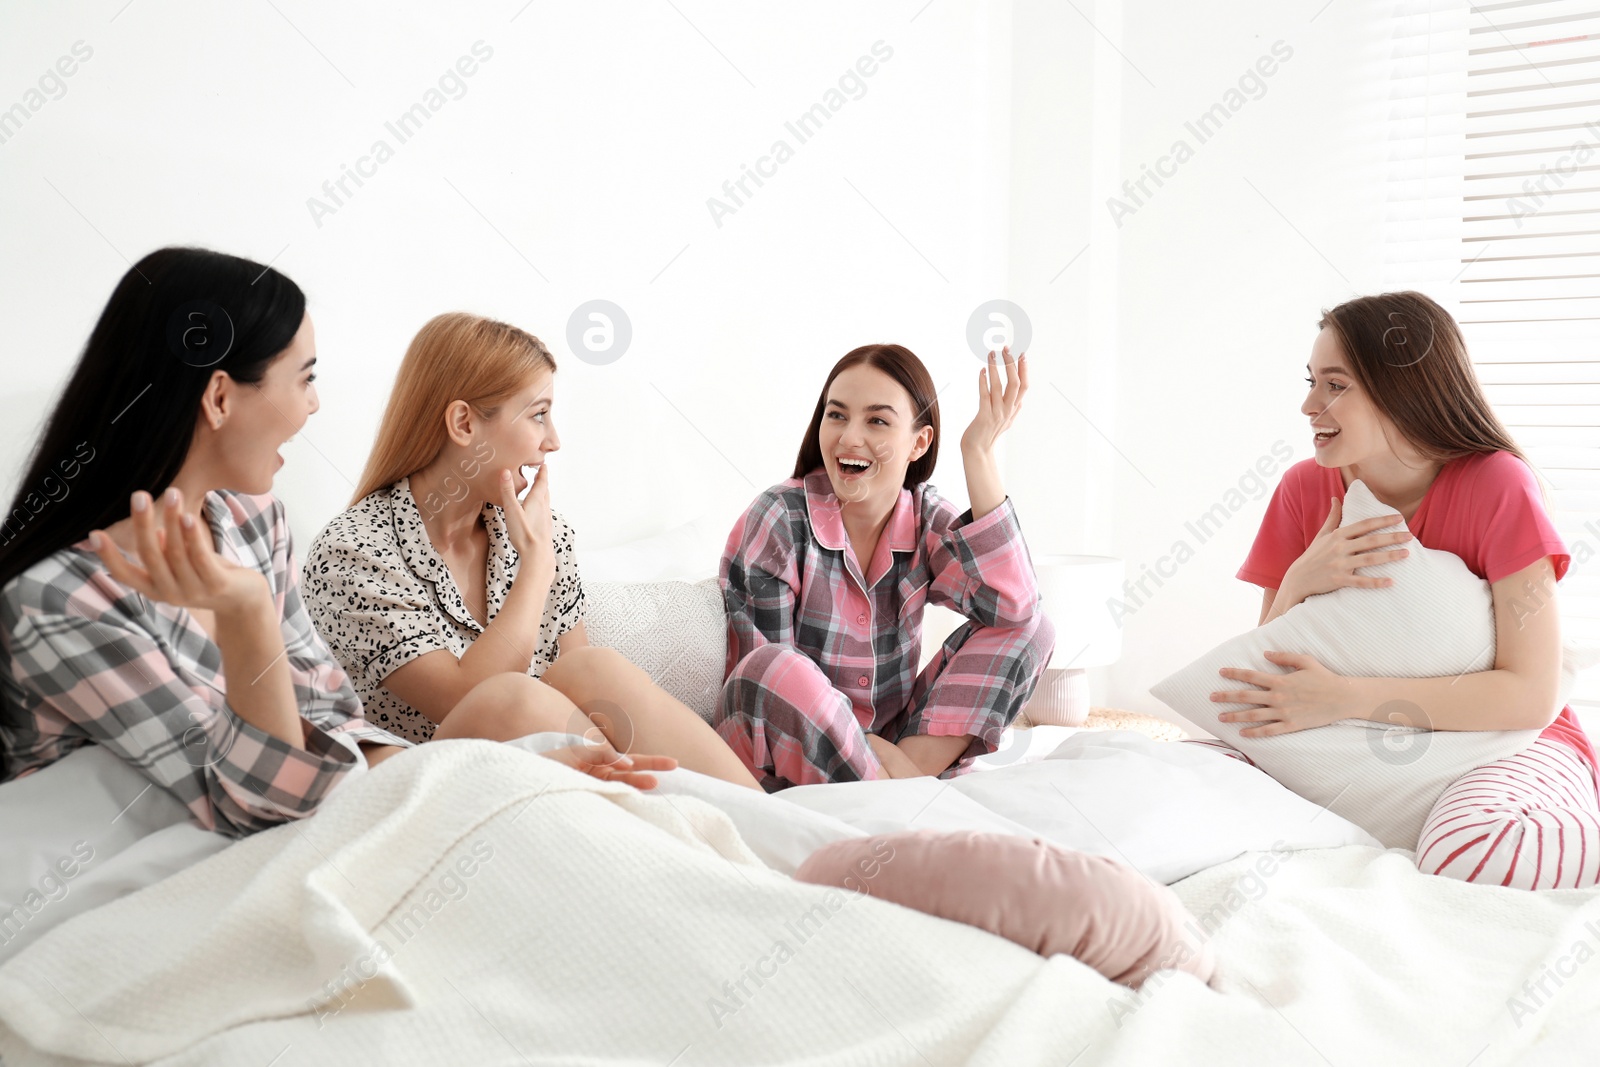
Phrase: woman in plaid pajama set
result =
(825, 578)
(195, 660)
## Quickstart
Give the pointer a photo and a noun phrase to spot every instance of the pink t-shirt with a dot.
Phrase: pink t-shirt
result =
(1487, 509)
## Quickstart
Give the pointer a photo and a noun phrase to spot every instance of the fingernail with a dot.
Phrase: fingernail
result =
(171, 496)
(187, 520)
(141, 500)
(94, 540)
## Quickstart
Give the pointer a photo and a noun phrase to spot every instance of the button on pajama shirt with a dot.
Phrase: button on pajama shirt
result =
(820, 654)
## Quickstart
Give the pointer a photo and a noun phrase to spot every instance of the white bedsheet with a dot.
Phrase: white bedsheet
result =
(1167, 809)
(603, 925)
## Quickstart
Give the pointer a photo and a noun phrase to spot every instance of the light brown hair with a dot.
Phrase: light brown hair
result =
(1408, 354)
(456, 356)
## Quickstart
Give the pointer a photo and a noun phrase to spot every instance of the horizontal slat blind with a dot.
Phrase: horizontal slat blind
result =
(1494, 210)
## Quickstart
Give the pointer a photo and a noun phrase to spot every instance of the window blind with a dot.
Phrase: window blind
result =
(1493, 208)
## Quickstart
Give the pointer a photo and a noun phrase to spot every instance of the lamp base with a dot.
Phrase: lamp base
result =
(1061, 699)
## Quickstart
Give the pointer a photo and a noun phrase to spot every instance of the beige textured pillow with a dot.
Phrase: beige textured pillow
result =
(675, 632)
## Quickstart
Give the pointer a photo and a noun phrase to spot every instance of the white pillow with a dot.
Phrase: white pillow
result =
(1166, 808)
(82, 832)
(675, 631)
(1437, 620)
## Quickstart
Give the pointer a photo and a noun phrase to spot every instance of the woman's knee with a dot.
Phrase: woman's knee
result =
(762, 675)
(763, 662)
(1027, 647)
(592, 672)
(1037, 641)
(506, 706)
(1042, 638)
(1478, 850)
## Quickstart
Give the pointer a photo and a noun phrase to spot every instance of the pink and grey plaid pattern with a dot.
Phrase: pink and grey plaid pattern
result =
(820, 654)
(85, 660)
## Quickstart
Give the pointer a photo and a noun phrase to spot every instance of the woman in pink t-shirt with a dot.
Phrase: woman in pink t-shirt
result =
(1394, 402)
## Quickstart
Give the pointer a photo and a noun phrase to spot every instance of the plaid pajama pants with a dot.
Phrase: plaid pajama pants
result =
(785, 719)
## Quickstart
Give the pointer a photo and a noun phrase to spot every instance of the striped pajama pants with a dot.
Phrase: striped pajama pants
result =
(1529, 821)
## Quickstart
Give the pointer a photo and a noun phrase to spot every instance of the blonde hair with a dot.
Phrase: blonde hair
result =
(456, 356)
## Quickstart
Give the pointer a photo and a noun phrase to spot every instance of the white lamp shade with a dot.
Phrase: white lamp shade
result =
(1075, 591)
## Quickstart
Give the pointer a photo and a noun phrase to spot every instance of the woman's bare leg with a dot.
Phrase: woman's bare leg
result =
(508, 706)
(636, 715)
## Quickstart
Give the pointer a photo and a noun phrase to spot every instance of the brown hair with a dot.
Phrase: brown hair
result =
(1408, 354)
(899, 363)
(456, 356)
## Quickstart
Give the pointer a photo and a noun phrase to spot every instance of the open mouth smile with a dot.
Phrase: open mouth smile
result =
(853, 468)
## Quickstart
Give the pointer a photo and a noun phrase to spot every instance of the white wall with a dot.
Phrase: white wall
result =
(977, 165)
(592, 140)
(1223, 273)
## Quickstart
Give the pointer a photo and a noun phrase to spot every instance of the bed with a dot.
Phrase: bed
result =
(474, 903)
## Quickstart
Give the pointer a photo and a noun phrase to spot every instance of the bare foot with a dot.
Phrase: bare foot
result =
(895, 763)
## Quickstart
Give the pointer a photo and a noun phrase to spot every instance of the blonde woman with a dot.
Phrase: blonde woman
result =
(441, 577)
(155, 609)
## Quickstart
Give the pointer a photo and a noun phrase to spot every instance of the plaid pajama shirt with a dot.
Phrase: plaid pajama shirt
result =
(820, 655)
(88, 661)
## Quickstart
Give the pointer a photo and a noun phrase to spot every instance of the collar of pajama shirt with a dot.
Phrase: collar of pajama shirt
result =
(426, 563)
(826, 513)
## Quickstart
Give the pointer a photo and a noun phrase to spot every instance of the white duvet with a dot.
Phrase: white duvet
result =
(472, 903)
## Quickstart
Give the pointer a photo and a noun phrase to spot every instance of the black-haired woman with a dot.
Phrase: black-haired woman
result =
(194, 660)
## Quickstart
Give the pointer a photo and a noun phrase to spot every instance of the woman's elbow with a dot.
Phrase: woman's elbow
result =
(1014, 608)
(1542, 703)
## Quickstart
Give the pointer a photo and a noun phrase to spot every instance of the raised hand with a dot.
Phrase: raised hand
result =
(178, 564)
(529, 523)
(999, 401)
(997, 409)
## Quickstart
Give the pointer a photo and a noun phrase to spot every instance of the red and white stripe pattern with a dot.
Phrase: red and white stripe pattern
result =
(1529, 821)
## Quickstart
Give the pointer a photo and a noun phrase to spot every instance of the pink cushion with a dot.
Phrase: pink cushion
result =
(1039, 894)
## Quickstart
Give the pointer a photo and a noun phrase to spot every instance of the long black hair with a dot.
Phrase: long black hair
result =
(127, 416)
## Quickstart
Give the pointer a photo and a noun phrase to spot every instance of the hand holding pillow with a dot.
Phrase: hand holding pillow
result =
(1378, 768)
